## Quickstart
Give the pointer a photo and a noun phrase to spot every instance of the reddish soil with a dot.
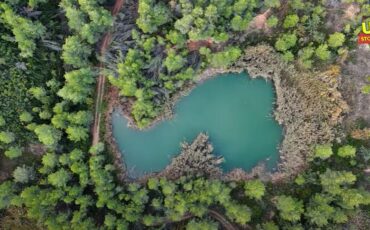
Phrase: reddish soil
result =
(196, 45)
(100, 86)
(351, 11)
(259, 22)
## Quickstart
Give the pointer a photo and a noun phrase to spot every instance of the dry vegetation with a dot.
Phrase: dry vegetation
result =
(355, 71)
(195, 159)
(308, 105)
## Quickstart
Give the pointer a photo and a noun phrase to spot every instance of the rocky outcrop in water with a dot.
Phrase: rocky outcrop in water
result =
(195, 159)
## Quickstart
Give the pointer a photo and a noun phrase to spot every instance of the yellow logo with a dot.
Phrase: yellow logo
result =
(366, 26)
(364, 36)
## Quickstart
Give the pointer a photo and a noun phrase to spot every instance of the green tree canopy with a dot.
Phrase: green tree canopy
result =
(35, 3)
(336, 40)
(100, 20)
(241, 214)
(2, 121)
(241, 5)
(226, 57)
(76, 17)
(24, 174)
(7, 137)
(285, 42)
(254, 189)
(319, 212)
(332, 181)
(323, 151)
(48, 135)
(347, 151)
(77, 133)
(50, 160)
(78, 86)
(25, 117)
(269, 226)
(239, 24)
(13, 152)
(351, 198)
(305, 56)
(290, 21)
(25, 30)
(290, 208)
(272, 21)
(272, 3)
(60, 178)
(173, 62)
(183, 25)
(38, 92)
(76, 52)
(322, 52)
(366, 89)
(152, 15)
(129, 73)
(7, 193)
(201, 225)
(143, 112)
(82, 117)
(297, 4)
(288, 56)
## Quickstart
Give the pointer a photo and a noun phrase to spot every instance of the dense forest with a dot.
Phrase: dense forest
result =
(51, 176)
(171, 43)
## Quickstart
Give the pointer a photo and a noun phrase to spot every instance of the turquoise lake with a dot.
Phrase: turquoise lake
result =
(236, 112)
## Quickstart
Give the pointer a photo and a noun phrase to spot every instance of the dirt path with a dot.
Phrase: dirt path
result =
(259, 22)
(100, 86)
(221, 219)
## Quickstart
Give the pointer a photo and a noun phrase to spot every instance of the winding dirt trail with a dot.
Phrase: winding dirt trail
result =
(100, 86)
(221, 219)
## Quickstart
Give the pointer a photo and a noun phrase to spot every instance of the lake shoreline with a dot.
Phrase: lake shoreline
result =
(224, 108)
(260, 61)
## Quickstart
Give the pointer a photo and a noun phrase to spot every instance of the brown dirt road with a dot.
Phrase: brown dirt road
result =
(100, 86)
(222, 220)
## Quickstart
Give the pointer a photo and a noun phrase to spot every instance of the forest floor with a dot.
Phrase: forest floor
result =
(100, 86)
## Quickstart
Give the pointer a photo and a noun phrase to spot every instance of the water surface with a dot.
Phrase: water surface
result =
(233, 109)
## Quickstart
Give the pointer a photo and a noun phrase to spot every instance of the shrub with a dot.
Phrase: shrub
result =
(23, 174)
(13, 152)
